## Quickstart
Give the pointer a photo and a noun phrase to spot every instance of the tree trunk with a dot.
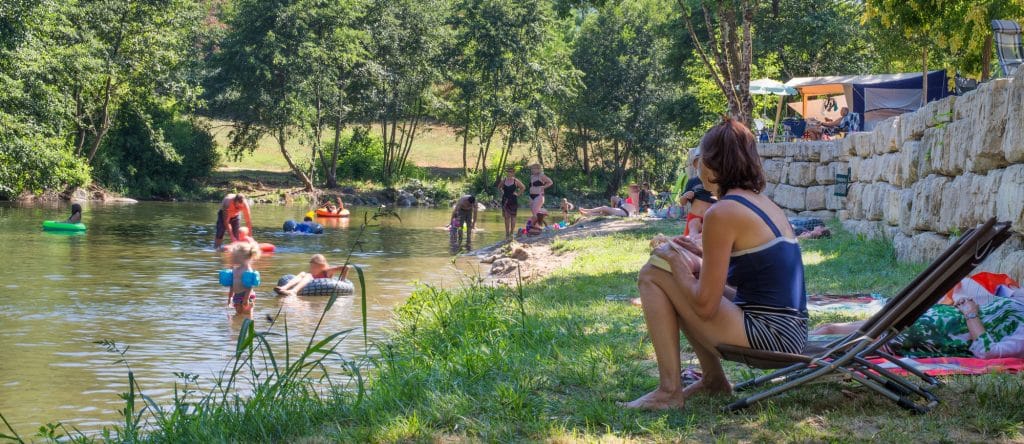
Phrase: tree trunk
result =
(616, 182)
(465, 146)
(585, 142)
(332, 169)
(104, 119)
(281, 139)
(924, 74)
(986, 58)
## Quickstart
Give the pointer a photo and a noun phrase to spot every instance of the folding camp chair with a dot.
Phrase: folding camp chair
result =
(1007, 37)
(850, 355)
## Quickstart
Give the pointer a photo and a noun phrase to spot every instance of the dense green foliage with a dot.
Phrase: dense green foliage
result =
(606, 91)
(361, 156)
(152, 152)
(69, 72)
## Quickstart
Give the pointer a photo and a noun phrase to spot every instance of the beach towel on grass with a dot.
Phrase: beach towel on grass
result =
(955, 365)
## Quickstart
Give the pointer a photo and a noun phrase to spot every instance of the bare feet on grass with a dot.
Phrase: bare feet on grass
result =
(659, 399)
(705, 387)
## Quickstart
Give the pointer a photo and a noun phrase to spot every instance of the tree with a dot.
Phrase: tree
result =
(122, 48)
(620, 113)
(502, 71)
(261, 79)
(825, 38)
(959, 29)
(332, 50)
(403, 59)
(721, 33)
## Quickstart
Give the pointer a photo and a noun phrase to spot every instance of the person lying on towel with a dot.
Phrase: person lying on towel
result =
(980, 324)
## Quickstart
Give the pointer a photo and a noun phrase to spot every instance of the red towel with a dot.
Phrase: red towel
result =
(956, 366)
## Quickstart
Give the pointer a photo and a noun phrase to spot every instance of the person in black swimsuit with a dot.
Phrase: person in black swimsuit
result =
(510, 188)
(538, 183)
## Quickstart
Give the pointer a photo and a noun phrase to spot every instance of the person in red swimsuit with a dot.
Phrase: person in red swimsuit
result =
(318, 269)
(698, 198)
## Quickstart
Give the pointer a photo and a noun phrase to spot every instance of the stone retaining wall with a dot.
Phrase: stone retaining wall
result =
(919, 179)
(801, 176)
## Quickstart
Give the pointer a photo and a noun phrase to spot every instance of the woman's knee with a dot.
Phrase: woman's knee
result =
(646, 279)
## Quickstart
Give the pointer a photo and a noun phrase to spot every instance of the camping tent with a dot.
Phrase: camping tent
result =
(875, 97)
(820, 109)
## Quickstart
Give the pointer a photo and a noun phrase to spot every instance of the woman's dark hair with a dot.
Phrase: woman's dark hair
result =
(471, 199)
(730, 149)
(76, 208)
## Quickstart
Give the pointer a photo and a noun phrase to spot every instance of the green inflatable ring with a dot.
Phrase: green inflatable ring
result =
(52, 225)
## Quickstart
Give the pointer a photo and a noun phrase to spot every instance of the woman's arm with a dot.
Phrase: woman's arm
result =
(547, 181)
(708, 291)
(717, 241)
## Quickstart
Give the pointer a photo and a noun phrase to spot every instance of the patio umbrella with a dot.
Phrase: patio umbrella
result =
(774, 88)
(771, 87)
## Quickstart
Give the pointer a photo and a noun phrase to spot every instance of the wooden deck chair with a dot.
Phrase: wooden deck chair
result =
(1007, 37)
(850, 355)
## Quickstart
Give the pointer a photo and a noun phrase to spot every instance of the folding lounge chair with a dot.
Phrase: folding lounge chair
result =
(1007, 37)
(849, 356)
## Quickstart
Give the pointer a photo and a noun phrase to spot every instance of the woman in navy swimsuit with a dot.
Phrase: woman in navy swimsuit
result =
(747, 291)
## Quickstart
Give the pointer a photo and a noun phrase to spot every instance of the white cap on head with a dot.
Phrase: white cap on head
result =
(694, 154)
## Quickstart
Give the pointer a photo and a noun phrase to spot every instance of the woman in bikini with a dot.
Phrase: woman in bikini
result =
(539, 182)
(750, 288)
(510, 188)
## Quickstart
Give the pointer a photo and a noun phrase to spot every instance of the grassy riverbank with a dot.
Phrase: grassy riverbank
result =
(481, 363)
(548, 362)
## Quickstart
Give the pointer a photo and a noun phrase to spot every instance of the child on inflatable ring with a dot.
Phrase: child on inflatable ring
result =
(318, 269)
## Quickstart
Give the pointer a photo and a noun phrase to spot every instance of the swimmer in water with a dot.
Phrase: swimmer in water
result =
(76, 214)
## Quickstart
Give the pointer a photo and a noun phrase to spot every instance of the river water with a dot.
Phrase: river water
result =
(145, 275)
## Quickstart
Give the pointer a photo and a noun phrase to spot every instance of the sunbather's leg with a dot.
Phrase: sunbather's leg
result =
(838, 328)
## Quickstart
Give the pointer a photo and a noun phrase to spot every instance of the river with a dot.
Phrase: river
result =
(145, 275)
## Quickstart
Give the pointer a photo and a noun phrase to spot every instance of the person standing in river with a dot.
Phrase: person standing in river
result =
(228, 218)
(539, 182)
(510, 188)
(464, 215)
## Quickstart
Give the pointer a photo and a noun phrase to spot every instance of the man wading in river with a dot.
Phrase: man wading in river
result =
(464, 215)
(228, 221)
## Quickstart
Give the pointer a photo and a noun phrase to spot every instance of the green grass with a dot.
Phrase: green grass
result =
(437, 148)
(474, 364)
(548, 362)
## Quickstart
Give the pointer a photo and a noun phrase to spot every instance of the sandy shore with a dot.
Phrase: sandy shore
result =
(533, 257)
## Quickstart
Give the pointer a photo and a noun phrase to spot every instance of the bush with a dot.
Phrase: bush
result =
(33, 161)
(360, 156)
(154, 152)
